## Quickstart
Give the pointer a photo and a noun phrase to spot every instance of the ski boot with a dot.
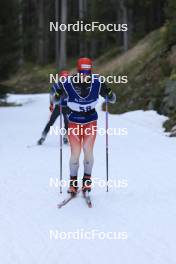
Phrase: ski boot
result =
(42, 139)
(73, 185)
(86, 183)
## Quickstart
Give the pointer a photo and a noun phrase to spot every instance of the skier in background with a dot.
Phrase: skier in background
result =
(55, 109)
(82, 99)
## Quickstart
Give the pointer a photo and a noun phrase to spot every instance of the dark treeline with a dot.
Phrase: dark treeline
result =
(25, 35)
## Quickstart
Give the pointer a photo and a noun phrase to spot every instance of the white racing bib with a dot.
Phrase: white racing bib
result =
(82, 107)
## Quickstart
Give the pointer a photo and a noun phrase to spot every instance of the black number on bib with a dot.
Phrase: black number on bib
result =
(85, 109)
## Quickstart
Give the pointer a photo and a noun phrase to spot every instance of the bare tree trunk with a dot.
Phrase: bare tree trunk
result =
(159, 14)
(63, 36)
(81, 36)
(57, 32)
(81, 9)
(85, 16)
(130, 26)
(124, 21)
(47, 5)
(85, 7)
(119, 20)
(41, 32)
(93, 44)
(20, 19)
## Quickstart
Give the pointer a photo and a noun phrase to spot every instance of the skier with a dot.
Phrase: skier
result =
(54, 107)
(82, 99)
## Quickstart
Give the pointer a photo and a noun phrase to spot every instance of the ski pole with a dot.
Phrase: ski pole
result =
(60, 145)
(107, 146)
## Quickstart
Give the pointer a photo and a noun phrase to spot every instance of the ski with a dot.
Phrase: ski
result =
(65, 201)
(32, 146)
(87, 198)
(68, 199)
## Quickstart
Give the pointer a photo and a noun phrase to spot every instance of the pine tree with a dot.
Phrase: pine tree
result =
(9, 37)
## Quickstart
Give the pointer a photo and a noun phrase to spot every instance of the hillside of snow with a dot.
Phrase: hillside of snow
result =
(143, 209)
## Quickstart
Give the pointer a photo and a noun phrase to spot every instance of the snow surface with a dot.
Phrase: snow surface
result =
(145, 158)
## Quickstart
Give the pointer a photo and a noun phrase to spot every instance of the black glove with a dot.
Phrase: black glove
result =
(58, 95)
(112, 97)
